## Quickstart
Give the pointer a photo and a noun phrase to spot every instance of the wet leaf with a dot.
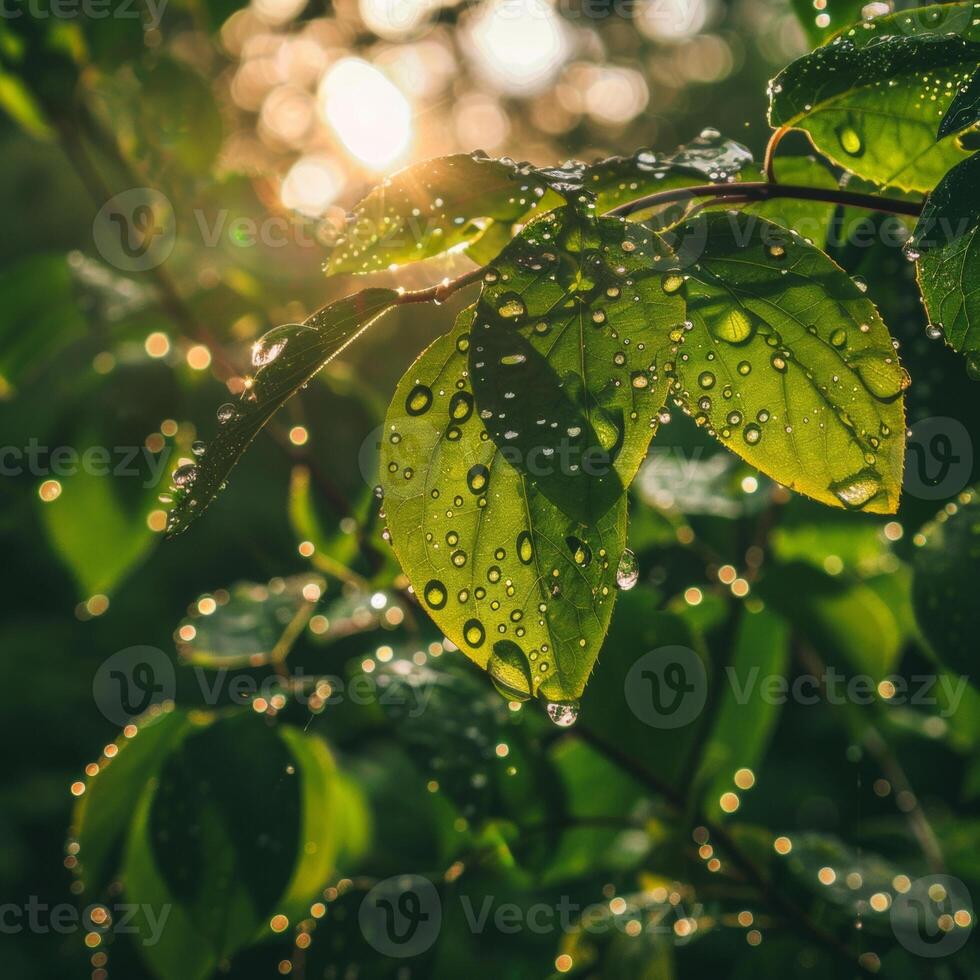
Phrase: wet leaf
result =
(561, 355)
(433, 207)
(947, 242)
(525, 591)
(964, 110)
(287, 358)
(789, 365)
(708, 159)
(945, 568)
(872, 98)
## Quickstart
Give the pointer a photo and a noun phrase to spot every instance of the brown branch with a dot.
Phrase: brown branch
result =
(768, 163)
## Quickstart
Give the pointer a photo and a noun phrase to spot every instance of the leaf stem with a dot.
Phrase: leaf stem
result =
(766, 191)
(769, 161)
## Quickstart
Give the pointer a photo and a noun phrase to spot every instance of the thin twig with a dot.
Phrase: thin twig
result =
(768, 163)
(765, 191)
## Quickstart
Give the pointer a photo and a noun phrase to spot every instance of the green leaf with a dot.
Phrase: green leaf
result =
(708, 159)
(810, 219)
(40, 315)
(434, 207)
(964, 110)
(561, 353)
(947, 243)
(872, 98)
(746, 718)
(287, 358)
(945, 566)
(103, 812)
(847, 621)
(238, 827)
(250, 624)
(525, 591)
(82, 518)
(790, 365)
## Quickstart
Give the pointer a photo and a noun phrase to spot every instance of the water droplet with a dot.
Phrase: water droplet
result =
(855, 491)
(934, 331)
(512, 308)
(672, 282)
(419, 400)
(734, 326)
(525, 548)
(627, 571)
(839, 337)
(199, 448)
(185, 475)
(226, 413)
(509, 671)
(744, 368)
(581, 552)
(474, 633)
(563, 713)
(477, 478)
(850, 140)
(461, 406)
(434, 594)
(706, 379)
(752, 433)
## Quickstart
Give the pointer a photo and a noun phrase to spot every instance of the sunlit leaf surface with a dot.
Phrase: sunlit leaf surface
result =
(524, 590)
(788, 363)
(561, 355)
(947, 243)
(432, 208)
(873, 97)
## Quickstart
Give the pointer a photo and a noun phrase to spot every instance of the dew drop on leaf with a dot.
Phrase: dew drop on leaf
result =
(434, 594)
(855, 491)
(627, 571)
(419, 400)
(563, 713)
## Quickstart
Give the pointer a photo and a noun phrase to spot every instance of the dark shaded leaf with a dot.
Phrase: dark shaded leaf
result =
(287, 358)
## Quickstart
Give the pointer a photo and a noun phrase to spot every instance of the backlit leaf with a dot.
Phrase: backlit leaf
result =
(431, 208)
(561, 355)
(872, 98)
(947, 241)
(790, 365)
(287, 358)
(964, 110)
(525, 591)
